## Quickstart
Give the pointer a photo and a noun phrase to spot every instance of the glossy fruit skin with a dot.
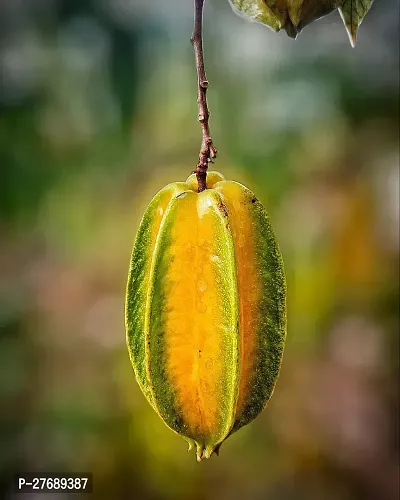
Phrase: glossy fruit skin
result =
(206, 309)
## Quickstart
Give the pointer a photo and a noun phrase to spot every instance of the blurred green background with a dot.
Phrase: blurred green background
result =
(97, 113)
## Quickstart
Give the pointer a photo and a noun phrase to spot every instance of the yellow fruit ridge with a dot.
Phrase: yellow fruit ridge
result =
(206, 309)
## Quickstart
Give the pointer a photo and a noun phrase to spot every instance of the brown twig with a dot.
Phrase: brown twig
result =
(207, 151)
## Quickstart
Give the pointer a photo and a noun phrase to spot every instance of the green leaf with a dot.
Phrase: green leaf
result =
(290, 15)
(293, 15)
(353, 13)
(258, 10)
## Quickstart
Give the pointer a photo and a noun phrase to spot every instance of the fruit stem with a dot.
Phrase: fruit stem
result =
(207, 150)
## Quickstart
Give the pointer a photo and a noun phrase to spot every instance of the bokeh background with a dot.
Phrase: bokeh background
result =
(97, 113)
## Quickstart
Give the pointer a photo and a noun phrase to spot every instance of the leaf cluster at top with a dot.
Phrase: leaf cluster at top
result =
(293, 15)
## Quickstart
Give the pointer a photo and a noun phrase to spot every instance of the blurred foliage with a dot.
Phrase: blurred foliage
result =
(97, 112)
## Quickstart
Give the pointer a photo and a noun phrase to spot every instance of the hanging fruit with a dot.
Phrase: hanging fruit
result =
(205, 312)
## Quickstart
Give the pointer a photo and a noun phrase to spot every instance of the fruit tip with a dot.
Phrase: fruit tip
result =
(200, 452)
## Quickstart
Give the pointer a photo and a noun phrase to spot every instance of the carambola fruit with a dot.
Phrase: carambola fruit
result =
(206, 309)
